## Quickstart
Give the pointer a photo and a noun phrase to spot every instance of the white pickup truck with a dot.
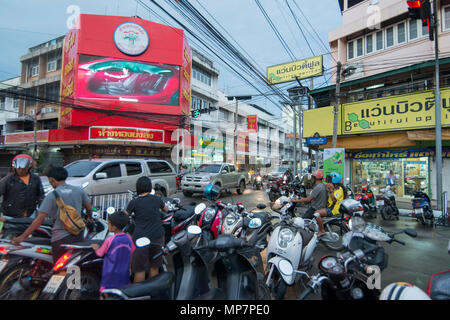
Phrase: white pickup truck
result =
(224, 175)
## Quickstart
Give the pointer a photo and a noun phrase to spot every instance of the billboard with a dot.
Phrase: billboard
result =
(301, 69)
(334, 161)
(127, 65)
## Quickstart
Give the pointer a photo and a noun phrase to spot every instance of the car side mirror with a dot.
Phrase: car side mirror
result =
(100, 175)
(224, 171)
(261, 206)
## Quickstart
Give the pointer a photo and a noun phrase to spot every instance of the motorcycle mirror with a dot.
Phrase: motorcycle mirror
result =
(195, 230)
(410, 232)
(347, 179)
(200, 208)
(142, 242)
(255, 223)
(110, 210)
(261, 206)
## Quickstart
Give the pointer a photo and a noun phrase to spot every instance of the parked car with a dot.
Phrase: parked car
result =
(224, 175)
(105, 176)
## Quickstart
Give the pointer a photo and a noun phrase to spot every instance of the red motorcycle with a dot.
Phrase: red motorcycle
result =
(277, 189)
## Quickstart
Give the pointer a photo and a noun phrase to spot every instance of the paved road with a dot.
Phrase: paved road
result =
(414, 263)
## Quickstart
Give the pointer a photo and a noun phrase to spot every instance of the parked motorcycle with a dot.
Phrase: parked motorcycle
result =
(422, 209)
(350, 192)
(387, 205)
(32, 262)
(346, 276)
(371, 203)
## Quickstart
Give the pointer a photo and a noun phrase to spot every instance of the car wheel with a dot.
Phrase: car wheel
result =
(241, 188)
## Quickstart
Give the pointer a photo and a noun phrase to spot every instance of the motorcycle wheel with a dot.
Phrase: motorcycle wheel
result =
(89, 289)
(11, 278)
(277, 287)
(263, 291)
(386, 213)
(340, 230)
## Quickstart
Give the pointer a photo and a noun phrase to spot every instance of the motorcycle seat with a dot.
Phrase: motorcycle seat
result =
(47, 222)
(38, 241)
(151, 287)
(439, 286)
(213, 294)
(184, 213)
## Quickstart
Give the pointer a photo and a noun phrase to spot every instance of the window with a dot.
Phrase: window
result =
(112, 170)
(413, 32)
(34, 70)
(401, 33)
(133, 169)
(158, 167)
(223, 114)
(379, 36)
(389, 37)
(446, 18)
(202, 76)
(16, 104)
(369, 44)
(2, 104)
(226, 169)
(51, 65)
(359, 47)
(424, 31)
(232, 168)
(350, 50)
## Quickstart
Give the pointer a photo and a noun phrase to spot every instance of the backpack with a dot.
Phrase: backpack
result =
(69, 216)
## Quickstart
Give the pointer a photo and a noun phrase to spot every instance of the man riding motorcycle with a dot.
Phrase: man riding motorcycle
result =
(22, 190)
(317, 197)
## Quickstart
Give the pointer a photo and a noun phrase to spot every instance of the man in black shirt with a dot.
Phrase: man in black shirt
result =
(147, 217)
(22, 190)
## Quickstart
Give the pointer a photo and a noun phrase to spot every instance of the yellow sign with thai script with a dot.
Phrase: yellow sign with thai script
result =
(320, 121)
(300, 69)
(403, 112)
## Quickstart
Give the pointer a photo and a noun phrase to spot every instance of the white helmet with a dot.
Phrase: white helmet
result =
(403, 291)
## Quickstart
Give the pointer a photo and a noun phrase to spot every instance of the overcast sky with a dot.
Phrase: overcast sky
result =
(26, 23)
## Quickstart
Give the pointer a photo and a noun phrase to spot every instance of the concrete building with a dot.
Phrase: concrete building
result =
(386, 111)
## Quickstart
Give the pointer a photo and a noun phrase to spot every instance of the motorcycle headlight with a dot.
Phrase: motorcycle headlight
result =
(209, 215)
(258, 178)
(284, 237)
(357, 224)
(230, 219)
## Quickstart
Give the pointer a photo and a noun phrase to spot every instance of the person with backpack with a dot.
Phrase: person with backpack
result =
(63, 206)
(116, 251)
(22, 190)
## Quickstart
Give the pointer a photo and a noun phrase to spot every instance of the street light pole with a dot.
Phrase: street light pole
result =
(235, 131)
(336, 103)
(294, 107)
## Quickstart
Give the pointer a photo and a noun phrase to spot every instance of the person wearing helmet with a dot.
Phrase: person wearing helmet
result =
(335, 196)
(317, 197)
(22, 190)
(403, 291)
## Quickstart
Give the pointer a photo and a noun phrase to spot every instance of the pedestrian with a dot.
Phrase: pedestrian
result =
(116, 251)
(72, 196)
(22, 190)
(147, 218)
(391, 178)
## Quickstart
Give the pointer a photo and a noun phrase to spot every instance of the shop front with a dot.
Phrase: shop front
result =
(405, 170)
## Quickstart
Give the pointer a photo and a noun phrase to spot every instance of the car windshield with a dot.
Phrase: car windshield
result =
(211, 168)
(281, 169)
(81, 168)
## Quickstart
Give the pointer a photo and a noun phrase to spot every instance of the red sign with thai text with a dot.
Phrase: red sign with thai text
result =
(252, 123)
(126, 134)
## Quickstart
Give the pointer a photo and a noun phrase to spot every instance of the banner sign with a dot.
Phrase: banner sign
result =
(334, 161)
(252, 123)
(301, 69)
(404, 112)
(396, 154)
(126, 134)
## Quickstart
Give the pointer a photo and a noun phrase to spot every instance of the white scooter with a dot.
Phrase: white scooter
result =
(290, 248)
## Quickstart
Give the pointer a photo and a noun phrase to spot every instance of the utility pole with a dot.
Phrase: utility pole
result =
(337, 103)
(235, 132)
(300, 133)
(294, 107)
(437, 97)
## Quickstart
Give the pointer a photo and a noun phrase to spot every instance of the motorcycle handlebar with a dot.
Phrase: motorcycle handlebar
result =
(305, 293)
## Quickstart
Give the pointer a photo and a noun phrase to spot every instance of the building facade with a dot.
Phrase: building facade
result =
(386, 111)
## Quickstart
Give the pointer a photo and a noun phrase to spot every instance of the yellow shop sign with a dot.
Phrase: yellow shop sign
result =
(300, 69)
(404, 112)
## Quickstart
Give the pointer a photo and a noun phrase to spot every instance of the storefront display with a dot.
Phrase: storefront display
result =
(407, 175)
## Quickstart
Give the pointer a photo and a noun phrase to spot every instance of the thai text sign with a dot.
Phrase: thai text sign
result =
(397, 154)
(412, 111)
(252, 123)
(301, 69)
(126, 134)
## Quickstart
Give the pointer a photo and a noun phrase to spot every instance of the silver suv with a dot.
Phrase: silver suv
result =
(106, 176)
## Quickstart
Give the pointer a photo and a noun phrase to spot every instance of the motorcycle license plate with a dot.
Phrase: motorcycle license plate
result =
(380, 203)
(420, 210)
(54, 283)
(3, 264)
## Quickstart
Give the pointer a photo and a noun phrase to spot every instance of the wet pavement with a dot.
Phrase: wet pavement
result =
(413, 263)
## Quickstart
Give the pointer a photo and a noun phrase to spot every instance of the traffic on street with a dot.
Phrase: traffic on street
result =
(225, 157)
